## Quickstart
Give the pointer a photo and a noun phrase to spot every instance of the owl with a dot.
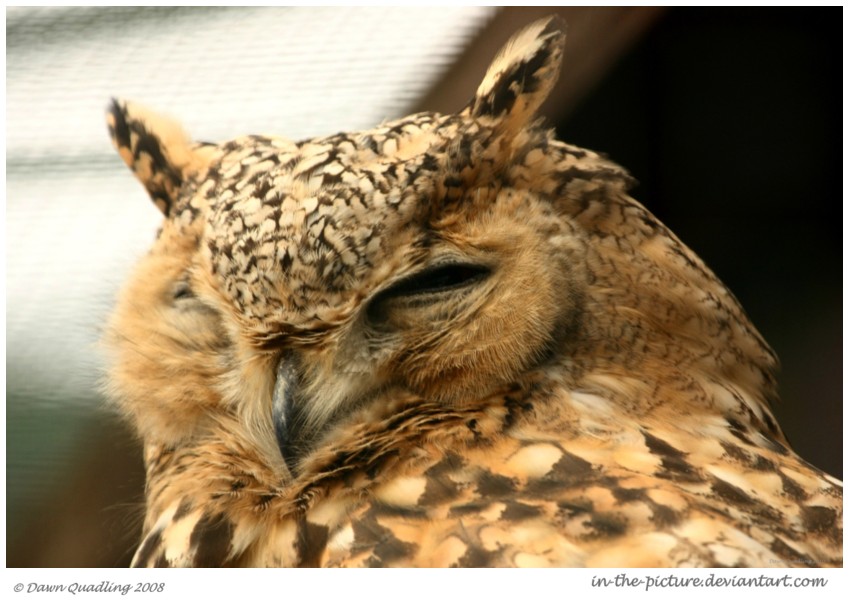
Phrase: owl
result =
(450, 340)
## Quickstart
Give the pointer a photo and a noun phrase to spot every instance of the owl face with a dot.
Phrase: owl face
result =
(446, 256)
(315, 276)
(365, 269)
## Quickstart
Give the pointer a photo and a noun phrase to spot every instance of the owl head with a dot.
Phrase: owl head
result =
(441, 257)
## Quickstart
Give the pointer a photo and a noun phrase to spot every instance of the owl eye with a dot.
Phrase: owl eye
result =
(424, 288)
(439, 279)
(182, 291)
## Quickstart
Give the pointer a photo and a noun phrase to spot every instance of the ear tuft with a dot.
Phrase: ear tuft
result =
(154, 147)
(522, 75)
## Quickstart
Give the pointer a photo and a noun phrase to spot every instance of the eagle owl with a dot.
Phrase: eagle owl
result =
(451, 340)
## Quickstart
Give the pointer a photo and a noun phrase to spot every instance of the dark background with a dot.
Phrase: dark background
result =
(731, 120)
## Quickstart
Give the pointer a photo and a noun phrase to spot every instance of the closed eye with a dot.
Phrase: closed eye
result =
(436, 280)
(182, 290)
(421, 286)
(184, 299)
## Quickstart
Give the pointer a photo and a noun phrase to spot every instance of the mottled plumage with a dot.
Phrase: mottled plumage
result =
(449, 340)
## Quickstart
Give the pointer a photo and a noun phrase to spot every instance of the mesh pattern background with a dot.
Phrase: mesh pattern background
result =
(76, 218)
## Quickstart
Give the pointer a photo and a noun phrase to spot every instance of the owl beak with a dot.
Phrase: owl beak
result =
(283, 409)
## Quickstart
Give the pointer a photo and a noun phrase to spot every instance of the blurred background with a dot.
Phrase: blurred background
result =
(731, 119)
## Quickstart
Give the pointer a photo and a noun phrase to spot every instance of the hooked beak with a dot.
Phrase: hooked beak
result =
(283, 409)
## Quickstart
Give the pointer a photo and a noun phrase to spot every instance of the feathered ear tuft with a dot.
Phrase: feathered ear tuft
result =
(522, 75)
(154, 147)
